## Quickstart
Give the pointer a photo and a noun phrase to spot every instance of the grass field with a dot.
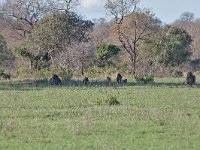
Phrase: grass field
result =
(160, 116)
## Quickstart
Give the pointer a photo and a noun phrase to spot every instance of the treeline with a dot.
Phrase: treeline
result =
(53, 38)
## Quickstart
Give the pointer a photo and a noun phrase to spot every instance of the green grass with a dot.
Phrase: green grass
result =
(161, 116)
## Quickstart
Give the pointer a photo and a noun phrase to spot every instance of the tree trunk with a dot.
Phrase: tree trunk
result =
(133, 60)
(82, 69)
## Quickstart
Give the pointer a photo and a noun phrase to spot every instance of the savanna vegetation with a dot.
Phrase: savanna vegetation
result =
(58, 87)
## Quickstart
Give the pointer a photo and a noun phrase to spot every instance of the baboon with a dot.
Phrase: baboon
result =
(108, 80)
(5, 76)
(190, 79)
(86, 81)
(55, 80)
(46, 57)
(124, 81)
(119, 78)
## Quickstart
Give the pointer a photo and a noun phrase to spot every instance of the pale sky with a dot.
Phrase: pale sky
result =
(167, 10)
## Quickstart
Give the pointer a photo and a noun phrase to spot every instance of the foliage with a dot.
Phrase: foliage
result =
(172, 46)
(94, 70)
(97, 71)
(144, 78)
(108, 100)
(54, 33)
(112, 100)
(106, 52)
(2, 70)
(132, 26)
(195, 64)
(197, 73)
(177, 73)
(22, 15)
(5, 53)
(38, 61)
(45, 73)
(65, 74)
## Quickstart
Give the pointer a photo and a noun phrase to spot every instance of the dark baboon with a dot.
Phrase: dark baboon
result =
(5, 76)
(190, 79)
(55, 80)
(119, 78)
(108, 79)
(86, 81)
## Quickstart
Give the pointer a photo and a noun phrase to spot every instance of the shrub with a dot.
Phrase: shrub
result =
(65, 74)
(108, 100)
(112, 100)
(177, 74)
(94, 70)
(197, 73)
(26, 73)
(144, 79)
(2, 70)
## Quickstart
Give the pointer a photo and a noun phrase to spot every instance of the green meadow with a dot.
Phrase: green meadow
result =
(164, 115)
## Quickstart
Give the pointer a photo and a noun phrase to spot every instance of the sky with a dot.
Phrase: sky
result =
(167, 10)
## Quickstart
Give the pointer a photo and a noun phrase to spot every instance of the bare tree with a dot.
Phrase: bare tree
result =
(101, 30)
(22, 15)
(76, 57)
(132, 25)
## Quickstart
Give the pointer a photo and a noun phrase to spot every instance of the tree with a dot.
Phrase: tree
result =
(187, 16)
(58, 33)
(37, 61)
(106, 52)
(132, 25)
(80, 56)
(192, 26)
(172, 46)
(5, 53)
(22, 15)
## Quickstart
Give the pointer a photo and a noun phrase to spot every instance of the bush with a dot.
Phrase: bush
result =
(197, 73)
(65, 74)
(177, 74)
(109, 100)
(112, 100)
(95, 70)
(144, 79)
(26, 73)
(2, 70)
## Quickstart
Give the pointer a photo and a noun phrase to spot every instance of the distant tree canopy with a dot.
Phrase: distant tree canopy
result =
(187, 16)
(22, 15)
(5, 53)
(172, 46)
(106, 51)
(55, 32)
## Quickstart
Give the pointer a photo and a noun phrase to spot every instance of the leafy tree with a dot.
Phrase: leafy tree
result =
(172, 46)
(187, 16)
(106, 52)
(192, 26)
(57, 32)
(37, 61)
(5, 53)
